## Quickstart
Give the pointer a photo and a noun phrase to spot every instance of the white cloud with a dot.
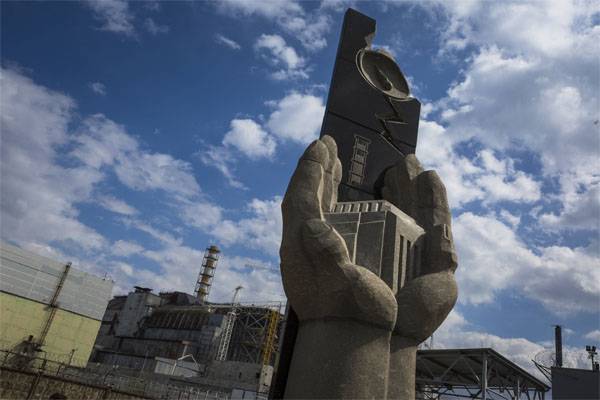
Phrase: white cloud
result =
(308, 28)
(278, 54)
(116, 205)
(249, 138)
(125, 248)
(530, 83)
(297, 117)
(223, 159)
(155, 28)
(593, 335)
(115, 16)
(102, 142)
(98, 88)
(580, 198)
(493, 258)
(38, 196)
(490, 177)
(232, 44)
(510, 218)
(261, 230)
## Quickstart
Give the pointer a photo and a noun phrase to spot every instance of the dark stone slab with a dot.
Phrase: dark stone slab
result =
(372, 128)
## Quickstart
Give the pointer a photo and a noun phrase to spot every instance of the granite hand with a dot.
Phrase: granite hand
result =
(346, 313)
(425, 301)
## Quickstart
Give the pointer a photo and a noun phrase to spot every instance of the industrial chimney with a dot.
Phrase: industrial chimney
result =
(558, 345)
(205, 277)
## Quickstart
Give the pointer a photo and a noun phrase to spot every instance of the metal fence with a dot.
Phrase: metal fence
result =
(108, 379)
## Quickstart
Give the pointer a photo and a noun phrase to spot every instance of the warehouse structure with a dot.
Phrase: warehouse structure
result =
(49, 308)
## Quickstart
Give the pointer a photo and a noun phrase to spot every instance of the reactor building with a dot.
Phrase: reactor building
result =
(167, 336)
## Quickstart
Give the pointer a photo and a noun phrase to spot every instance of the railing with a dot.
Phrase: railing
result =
(110, 378)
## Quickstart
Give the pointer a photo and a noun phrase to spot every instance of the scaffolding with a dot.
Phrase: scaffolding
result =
(255, 335)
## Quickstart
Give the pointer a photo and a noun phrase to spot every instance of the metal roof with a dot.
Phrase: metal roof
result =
(475, 373)
(34, 277)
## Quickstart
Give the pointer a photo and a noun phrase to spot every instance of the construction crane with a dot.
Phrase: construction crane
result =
(53, 306)
(228, 330)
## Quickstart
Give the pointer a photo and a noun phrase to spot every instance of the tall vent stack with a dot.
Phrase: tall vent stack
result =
(209, 263)
(558, 345)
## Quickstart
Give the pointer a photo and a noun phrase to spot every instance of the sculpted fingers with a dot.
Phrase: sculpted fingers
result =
(333, 174)
(434, 216)
(303, 197)
(433, 202)
(431, 295)
(399, 184)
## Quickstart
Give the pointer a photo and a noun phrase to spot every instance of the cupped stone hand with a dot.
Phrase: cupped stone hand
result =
(319, 279)
(346, 313)
(425, 301)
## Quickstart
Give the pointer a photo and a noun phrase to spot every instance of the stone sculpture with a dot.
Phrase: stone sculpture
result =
(358, 334)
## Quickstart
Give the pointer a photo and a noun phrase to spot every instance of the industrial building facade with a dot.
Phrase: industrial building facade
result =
(183, 336)
(48, 308)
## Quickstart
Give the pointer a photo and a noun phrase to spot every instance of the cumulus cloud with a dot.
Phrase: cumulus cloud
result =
(274, 49)
(529, 82)
(250, 139)
(297, 117)
(289, 15)
(261, 230)
(114, 15)
(490, 177)
(232, 44)
(38, 195)
(493, 258)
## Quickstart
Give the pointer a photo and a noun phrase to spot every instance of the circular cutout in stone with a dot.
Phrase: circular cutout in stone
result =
(382, 72)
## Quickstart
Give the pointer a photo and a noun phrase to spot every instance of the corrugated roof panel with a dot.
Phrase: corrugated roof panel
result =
(34, 277)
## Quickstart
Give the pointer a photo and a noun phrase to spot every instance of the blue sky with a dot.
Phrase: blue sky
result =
(136, 134)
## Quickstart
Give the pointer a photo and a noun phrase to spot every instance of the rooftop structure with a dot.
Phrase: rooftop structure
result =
(474, 373)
